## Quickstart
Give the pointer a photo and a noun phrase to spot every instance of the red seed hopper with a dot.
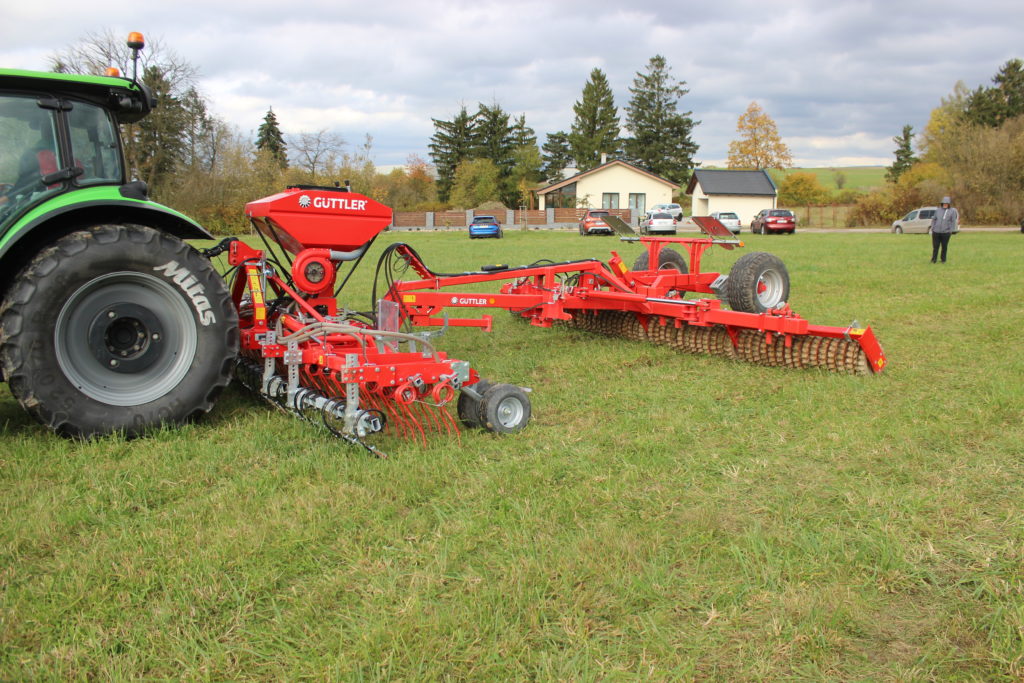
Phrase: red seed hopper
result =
(304, 217)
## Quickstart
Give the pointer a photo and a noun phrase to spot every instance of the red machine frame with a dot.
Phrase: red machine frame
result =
(653, 296)
(356, 375)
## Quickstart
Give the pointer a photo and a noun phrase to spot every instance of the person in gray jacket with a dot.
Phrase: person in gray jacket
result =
(945, 222)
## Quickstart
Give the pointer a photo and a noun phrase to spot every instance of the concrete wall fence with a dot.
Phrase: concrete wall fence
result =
(552, 219)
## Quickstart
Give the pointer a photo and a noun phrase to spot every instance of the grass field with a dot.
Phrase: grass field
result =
(664, 516)
(856, 177)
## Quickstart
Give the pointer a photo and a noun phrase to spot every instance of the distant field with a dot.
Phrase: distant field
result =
(857, 177)
(664, 517)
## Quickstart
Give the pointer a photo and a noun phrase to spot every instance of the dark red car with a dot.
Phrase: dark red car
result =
(774, 220)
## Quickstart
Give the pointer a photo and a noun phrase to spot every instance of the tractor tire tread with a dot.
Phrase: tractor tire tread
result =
(20, 343)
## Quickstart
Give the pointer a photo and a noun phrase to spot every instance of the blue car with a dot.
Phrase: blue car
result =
(485, 226)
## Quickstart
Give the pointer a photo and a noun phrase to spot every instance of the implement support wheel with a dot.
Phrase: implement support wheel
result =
(504, 409)
(469, 405)
(757, 282)
(668, 259)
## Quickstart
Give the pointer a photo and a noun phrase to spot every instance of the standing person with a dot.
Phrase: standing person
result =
(944, 223)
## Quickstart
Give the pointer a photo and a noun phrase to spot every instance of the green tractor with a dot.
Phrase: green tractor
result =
(109, 320)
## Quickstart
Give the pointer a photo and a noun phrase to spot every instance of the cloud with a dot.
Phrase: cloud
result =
(839, 79)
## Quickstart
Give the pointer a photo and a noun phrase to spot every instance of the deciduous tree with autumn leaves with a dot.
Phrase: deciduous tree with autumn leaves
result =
(759, 145)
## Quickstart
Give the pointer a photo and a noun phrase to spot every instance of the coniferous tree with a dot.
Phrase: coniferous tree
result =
(556, 156)
(452, 142)
(659, 136)
(992, 106)
(270, 140)
(525, 173)
(522, 134)
(494, 138)
(904, 154)
(155, 146)
(595, 130)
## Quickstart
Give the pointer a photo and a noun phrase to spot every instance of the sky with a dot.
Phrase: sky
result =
(840, 78)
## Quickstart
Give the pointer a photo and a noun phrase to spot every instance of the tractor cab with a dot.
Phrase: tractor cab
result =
(60, 134)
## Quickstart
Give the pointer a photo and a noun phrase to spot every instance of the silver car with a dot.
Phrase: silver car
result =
(729, 220)
(918, 220)
(658, 222)
(673, 210)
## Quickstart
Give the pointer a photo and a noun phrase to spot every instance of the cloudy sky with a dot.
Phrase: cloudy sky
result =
(840, 78)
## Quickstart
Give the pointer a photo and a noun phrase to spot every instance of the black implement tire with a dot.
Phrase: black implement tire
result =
(668, 259)
(504, 409)
(758, 281)
(118, 328)
(469, 406)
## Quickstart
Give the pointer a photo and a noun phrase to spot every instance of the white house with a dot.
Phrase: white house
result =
(744, 193)
(612, 185)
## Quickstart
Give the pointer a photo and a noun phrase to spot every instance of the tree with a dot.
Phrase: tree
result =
(270, 140)
(522, 134)
(556, 156)
(904, 154)
(155, 146)
(759, 145)
(524, 177)
(421, 179)
(993, 105)
(99, 50)
(840, 179)
(317, 153)
(801, 189)
(595, 130)
(945, 120)
(476, 181)
(659, 135)
(526, 164)
(493, 137)
(199, 132)
(451, 144)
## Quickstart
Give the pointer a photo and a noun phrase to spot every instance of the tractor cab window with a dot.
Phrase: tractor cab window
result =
(29, 152)
(95, 146)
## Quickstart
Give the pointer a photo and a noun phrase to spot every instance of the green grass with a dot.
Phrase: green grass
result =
(857, 177)
(663, 517)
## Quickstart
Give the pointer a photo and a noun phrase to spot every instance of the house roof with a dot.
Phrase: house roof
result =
(572, 179)
(732, 182)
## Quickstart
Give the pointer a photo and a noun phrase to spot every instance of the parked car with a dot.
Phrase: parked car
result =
(593, 223)
(729, 220)
(673, 210)
(918, 220)
(485, 226)
(774, 220)
(658, 222)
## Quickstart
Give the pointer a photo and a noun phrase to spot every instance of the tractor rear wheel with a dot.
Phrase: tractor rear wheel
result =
(757, 282)
(118, 328)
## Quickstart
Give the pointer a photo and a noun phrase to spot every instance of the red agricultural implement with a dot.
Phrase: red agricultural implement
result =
(358, 373)
(111, 323)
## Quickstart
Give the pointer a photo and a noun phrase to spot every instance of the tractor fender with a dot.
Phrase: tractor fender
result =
(58, 217)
